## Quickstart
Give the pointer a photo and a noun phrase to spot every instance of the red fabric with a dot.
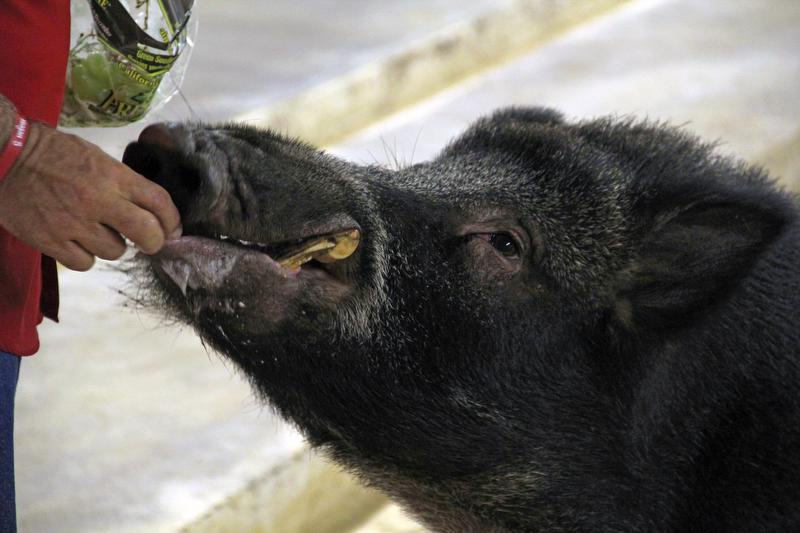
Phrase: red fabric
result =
(34, 45)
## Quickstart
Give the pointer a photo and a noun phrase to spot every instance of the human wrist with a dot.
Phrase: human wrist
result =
(15, 143)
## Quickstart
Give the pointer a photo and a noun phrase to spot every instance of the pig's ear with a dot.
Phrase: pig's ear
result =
(690, 257)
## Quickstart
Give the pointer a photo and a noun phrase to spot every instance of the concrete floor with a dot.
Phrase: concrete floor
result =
(126, 426)
(727, 70)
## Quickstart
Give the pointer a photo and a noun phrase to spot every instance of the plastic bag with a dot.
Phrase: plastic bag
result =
(127, 57)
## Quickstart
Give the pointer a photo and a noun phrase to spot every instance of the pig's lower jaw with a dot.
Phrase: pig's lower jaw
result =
(209, 264)
(244, 287)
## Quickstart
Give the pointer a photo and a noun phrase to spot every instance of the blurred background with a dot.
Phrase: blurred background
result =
(125, 424)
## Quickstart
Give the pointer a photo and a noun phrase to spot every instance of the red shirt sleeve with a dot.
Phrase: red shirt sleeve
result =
(34, 46)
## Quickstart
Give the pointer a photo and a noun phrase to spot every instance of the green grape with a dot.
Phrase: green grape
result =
(90, 78)
(110, 87)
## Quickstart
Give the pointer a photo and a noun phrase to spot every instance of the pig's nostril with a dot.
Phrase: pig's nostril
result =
(166, 167)
(144, 159)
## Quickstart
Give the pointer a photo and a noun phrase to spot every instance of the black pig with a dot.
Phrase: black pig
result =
(552, 326)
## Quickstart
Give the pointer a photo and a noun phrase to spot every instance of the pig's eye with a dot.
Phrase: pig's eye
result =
(504, 243)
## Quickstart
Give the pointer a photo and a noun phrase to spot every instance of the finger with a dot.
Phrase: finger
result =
(137, 224)
(155, 199)
(103, 242)
(73, 256)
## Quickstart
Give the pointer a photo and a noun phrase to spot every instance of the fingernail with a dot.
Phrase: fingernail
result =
(176, 234)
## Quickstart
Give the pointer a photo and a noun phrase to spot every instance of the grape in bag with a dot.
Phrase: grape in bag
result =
(127, 57)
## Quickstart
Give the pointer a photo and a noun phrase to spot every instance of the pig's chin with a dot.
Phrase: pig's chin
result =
(246, 288)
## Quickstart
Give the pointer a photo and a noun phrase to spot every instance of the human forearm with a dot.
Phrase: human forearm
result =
(7, 113)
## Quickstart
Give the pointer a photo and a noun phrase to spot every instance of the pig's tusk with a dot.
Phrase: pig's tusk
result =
(325, 249)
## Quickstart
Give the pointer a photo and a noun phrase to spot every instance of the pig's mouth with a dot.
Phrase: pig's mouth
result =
(226, 273)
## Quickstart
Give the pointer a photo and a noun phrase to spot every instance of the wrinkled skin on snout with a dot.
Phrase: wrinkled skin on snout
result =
(551, 326)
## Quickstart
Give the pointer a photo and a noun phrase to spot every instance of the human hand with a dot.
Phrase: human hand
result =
(69, 199)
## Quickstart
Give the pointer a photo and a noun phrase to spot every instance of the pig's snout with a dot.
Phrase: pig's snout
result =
(160, 156)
